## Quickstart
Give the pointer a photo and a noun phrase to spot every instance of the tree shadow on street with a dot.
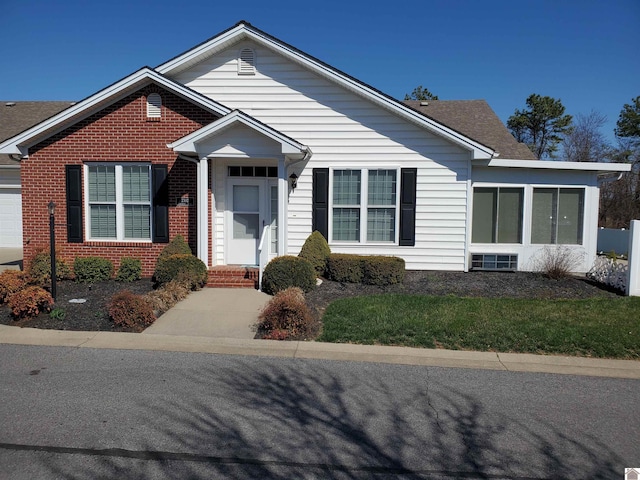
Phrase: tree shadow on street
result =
(304, 419)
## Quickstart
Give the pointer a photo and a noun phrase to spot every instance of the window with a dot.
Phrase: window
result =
(154, 106)
(492, 261)
(557, 216)
(364, 218)
(497, 215)
(119, 201)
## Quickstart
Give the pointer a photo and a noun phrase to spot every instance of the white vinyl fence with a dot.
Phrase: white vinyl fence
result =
(620, 274)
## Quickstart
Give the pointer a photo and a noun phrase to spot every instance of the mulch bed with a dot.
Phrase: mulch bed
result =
(93, 316)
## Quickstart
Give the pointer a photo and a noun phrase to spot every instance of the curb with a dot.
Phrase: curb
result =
(515, 362)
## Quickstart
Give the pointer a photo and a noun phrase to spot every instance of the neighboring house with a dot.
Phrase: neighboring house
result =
(16, 117)
(245, 131)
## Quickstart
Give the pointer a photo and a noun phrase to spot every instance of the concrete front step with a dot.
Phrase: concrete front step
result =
(233, 276)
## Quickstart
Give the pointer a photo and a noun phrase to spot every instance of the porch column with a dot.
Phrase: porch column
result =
(283, 193)
(202, 211)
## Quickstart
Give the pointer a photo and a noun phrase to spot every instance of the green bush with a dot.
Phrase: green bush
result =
(345, 268)
(92, 269)
(186, 269)
(286, 317)
(30, 301)
(130, 269)
(379, 270)
(316, 251)
(177, 246)
(131, 311)
(40, 267)
(288, 271)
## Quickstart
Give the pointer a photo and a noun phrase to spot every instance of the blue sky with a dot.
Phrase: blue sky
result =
(585, 52)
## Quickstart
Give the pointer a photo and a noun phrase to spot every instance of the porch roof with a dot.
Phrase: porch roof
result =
(188, 145)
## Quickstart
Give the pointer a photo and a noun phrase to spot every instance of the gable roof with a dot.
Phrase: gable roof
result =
(244, 30)
(477, 120)
(20, 143)
(290, 147)
(16, 117)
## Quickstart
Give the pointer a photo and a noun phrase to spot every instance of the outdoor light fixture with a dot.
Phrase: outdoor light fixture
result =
(293, 178)
(51, 207)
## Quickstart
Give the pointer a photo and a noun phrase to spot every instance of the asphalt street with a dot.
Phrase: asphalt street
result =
(84, 413)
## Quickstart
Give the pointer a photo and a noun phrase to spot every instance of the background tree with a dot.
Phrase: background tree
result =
(620, 200)
(628, 124)
(421, 93)
(585, 141)
(541, 125)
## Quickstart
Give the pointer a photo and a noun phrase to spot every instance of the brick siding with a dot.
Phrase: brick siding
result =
(118, 133)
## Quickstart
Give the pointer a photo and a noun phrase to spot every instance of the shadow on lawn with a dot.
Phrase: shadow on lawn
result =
(305, 421)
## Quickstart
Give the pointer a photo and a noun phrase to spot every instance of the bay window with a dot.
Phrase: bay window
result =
(359, 217)
(119, 197)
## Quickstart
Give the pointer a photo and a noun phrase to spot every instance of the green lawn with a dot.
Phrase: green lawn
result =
(596, 327)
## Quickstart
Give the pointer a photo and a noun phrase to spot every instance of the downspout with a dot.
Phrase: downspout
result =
(603, 180)
(188, 159)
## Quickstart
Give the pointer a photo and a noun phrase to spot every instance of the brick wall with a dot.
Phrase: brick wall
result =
(120, 133)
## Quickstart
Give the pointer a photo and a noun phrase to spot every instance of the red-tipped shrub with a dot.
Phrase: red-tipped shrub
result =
(11, 281)
(130, 311)
(286, 316)
(30, 301)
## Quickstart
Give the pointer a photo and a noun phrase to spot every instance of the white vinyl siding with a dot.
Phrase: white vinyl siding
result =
(344, 131)
(119, 201)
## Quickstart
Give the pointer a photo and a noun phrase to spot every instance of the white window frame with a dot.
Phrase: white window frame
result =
(364, 206)
(525, 234)
(119, 203)
(558, 188)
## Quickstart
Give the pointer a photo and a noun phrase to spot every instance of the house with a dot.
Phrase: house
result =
(244, 132)
(14, 118)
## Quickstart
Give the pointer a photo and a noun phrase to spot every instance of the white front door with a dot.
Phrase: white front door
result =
(250, 205)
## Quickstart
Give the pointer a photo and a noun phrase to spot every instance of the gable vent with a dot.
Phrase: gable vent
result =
(154, 105)
(247, 62)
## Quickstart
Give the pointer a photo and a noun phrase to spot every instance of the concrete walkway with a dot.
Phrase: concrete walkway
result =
(10, 259)
(219, 321)
(213, 313)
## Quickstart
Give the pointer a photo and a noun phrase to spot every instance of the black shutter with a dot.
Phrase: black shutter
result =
(320, 202)
(73, 175)
(408, 206)
(160, 188)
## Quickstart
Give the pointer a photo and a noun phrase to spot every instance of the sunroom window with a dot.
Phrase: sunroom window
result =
(119, 201)
(364, 218)
(557, 216)
(497, 215)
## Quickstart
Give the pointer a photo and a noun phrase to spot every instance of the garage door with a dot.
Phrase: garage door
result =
(10, 217)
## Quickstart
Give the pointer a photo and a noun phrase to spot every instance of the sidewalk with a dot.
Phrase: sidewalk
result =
(327, 351)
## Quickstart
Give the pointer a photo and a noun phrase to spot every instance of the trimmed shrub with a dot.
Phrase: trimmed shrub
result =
(186, 269)
(131, 311)
(165, 297)
(92, 269)
(288, 271)
(130, 269)
(177, 246)
(379, 270)
(40, 267)
(316, 251)
(286, 316)
(30, 301)
(345, 268)
(11, 281)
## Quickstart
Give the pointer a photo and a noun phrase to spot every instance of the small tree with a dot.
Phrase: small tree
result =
(420, 93)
